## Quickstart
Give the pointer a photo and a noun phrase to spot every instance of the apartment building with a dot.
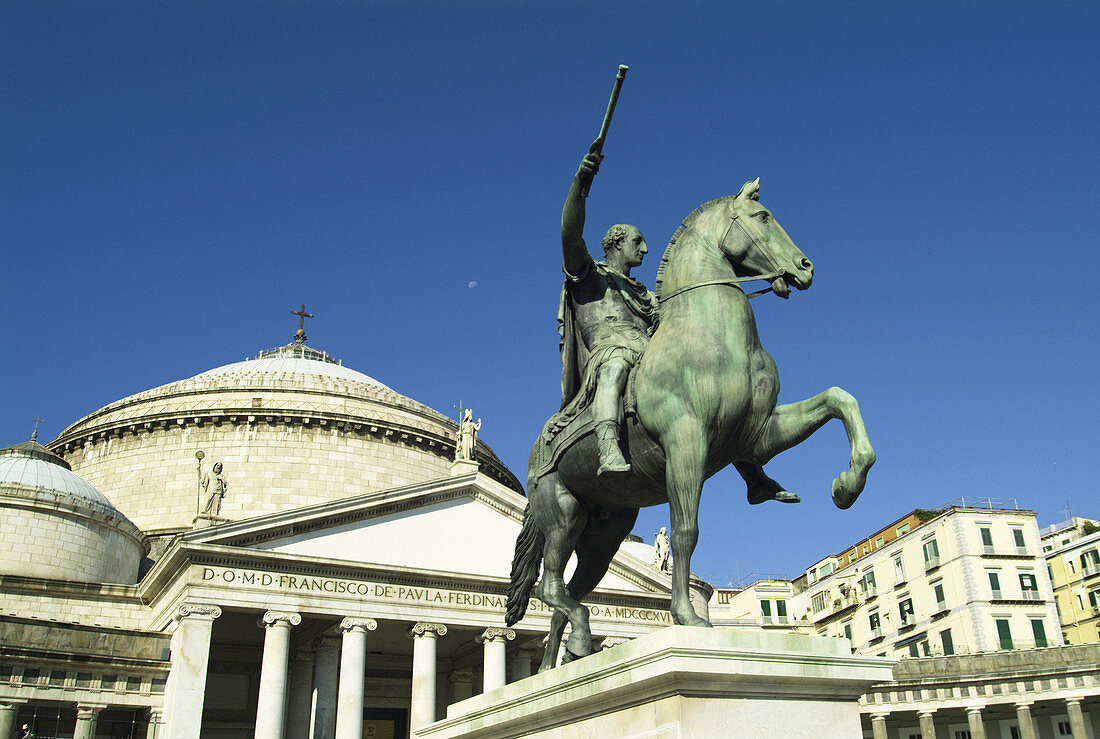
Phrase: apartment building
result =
(965, 578)
(1072, 553)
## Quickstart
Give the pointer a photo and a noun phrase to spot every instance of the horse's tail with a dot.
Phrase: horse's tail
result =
(525, 567)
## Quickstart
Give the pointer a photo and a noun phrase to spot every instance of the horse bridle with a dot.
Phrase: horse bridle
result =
(735, 281)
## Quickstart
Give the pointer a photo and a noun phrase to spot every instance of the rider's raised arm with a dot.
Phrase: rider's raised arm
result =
(574, 249)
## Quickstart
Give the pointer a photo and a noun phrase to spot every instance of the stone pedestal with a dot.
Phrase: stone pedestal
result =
(461, 467)
(683, 681)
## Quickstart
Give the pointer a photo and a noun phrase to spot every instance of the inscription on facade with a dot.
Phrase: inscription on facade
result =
(374, 591)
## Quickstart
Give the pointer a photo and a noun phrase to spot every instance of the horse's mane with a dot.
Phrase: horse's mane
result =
(687, 223)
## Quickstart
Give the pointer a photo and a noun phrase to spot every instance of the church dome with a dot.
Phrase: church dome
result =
(78, 534)
(291, 427)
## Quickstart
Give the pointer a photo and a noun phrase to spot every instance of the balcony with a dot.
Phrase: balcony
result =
(988, 549)
(931, 563)
(870, 592)
(1015, 553)
(1032, 595)
(995, 595)
(876, 634)
(1089, 569)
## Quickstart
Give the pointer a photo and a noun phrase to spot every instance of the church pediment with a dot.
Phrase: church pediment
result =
(465, 525)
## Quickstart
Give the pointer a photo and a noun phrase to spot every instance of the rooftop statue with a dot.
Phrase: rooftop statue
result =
(659, 394)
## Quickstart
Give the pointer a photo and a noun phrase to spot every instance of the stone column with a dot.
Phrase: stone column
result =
(301, 694)
(495, 672)
(974, 722)
(519, 666)
(423, 635)
(1023, 717)
(878, 726)
(86, 716)
(156, 724)
(9, 711)
(183, 695)
(353, 666)
(323, 724)
(927, 725)
(462, 685)
(1076, 717)
(271, 704)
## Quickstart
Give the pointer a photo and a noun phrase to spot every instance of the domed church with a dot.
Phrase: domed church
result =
(279, 547)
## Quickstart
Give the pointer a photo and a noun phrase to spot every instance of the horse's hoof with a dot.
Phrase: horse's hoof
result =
(843, 495)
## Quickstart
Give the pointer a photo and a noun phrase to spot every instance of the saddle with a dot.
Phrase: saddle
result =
(552, 445)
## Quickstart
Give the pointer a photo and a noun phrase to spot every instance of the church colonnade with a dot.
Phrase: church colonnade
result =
(319, 694)
(976, 720)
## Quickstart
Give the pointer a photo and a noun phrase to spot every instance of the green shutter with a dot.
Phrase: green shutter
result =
(766, 608)
(1004, 634)
(781, 608)
(945, 639)
(1039, 633)
(987, 538)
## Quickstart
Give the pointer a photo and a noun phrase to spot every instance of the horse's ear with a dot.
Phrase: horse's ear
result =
(750, 190)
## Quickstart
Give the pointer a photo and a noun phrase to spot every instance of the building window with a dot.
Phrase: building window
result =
(1090, 562)
(878, 542)
(1018, 537)
(899, 569)
(962, 734)
(781, 611)
(946, 642)
(873, 621)
(941, 603)
(913, 650)
(1094, 599)
(867, 583)
(866, 548)
(766, 611)
(1039, 632)
(848, 630)
(903, 529)
(987, 540)
(818, 600)
(1064, 729)
(994, 586)
(931, 554)
(905, 610)
(826, 569)
(1028, 586)
(1004, 633)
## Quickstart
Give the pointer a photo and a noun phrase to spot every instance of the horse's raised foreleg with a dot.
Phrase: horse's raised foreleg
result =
(790, 425)
(685, 449)
(561, 519)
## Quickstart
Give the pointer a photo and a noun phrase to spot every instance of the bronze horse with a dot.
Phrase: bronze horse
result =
(705, 398)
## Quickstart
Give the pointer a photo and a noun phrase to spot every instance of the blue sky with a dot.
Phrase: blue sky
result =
(179, 177)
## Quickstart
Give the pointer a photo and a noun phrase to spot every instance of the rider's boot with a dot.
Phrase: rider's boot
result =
(611, 457)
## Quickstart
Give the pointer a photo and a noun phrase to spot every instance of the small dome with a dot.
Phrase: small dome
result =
(90, 541)
(32, 465)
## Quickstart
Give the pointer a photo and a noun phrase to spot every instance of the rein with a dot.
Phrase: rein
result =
(735, 281)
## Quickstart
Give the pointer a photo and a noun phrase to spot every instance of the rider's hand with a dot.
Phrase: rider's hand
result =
(590, 165)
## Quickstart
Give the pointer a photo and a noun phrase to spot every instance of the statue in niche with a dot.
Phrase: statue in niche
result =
(214, 487)
(661, 550)
(467, 436)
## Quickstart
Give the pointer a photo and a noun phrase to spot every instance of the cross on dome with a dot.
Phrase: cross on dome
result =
(300, 334)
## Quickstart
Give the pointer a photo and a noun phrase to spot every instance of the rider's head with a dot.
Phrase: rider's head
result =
(628, 240)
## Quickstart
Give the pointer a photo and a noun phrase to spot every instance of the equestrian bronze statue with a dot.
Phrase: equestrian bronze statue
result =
(691, 391)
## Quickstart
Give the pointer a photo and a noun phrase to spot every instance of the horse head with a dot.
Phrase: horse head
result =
(756, 245)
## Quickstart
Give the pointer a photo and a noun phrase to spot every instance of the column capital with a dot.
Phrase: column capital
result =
(926, 712)
(89, 710)
(495, 633)
(350, 623)
(273, 618)
(1073, 700)
(1026, 705)
(421, 628)
(197, 610)
(974, 709)
(879, 716)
